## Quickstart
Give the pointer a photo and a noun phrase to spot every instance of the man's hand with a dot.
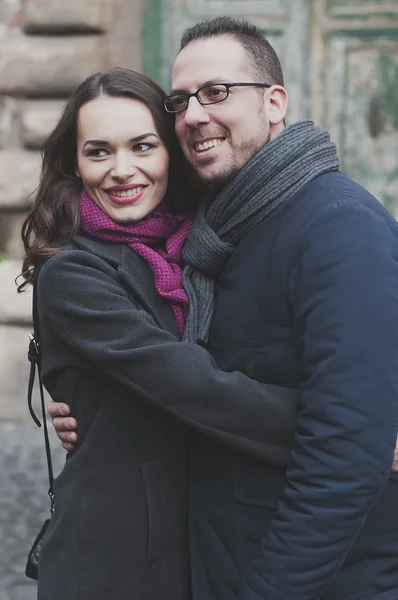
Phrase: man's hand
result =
(65, 426)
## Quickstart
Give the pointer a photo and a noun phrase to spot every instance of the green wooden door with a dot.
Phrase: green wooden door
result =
(340, 59)
(354, 88)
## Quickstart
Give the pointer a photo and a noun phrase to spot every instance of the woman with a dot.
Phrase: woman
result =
(103, 246)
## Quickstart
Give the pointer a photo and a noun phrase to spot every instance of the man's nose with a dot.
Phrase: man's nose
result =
(123, 166)
(196, 113)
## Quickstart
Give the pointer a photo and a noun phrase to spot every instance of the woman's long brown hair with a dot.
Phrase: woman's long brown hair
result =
(52, 222)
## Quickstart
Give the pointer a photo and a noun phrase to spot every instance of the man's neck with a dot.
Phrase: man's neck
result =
(277, 129)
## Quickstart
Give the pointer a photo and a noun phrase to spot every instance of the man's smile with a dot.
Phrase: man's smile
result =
(207, 144)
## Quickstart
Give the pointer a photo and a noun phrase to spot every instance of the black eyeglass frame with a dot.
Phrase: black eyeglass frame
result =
(196, 94)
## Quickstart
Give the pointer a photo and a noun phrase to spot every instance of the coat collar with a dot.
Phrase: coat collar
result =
(110, 251)
(134, 275)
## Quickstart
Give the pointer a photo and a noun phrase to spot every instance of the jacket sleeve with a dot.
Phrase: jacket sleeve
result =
(343, 287)
(85, 306)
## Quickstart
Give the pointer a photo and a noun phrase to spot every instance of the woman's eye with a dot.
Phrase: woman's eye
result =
(97, 152)
(142, 147)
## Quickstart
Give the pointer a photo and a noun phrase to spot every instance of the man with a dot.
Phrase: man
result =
(304, 263)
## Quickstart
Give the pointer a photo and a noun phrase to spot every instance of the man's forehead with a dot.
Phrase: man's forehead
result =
(208, 61)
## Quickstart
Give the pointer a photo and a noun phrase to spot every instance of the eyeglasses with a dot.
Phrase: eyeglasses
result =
(208, 94)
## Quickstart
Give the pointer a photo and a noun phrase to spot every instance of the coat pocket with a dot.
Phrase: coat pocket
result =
(166, 490)
(257, 490)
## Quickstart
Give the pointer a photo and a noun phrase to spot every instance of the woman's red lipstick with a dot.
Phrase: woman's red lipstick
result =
(123, 200)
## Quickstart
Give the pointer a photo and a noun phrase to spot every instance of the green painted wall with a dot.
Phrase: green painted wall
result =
(152, 36)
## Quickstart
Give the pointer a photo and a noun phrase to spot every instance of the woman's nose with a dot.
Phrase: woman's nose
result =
(123, 166)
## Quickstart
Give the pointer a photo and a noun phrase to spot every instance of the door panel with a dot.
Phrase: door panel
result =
(284, 22)
(340, 60)
(369, 132)
(354, 88)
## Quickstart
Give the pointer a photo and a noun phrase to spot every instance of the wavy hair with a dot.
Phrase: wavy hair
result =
(50, 224)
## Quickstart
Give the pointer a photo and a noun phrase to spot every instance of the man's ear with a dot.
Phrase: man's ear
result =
(277, 104)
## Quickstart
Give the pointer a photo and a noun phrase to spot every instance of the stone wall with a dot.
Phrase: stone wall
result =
(47, 47)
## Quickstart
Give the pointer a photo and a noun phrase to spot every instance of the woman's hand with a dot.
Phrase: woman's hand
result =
(65, 426)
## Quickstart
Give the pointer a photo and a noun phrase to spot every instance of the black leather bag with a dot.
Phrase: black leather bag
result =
(34, 356)
(32, 564)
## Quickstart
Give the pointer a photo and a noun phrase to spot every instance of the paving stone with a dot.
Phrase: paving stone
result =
(19, 177)
(24, 503)
(50, 65)
(58, 15)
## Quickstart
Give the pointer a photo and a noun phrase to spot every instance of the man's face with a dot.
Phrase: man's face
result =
(219, 139)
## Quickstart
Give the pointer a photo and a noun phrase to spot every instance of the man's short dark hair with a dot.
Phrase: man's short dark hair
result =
(261, 56)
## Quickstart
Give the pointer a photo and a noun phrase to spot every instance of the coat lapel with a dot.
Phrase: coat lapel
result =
(135, 276)
(135, 273)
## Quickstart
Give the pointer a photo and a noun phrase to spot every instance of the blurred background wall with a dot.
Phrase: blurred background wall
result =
(340, 59)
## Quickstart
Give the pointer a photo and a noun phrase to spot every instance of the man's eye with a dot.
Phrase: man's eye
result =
(97, 152)
(179, 100)
(214, 92)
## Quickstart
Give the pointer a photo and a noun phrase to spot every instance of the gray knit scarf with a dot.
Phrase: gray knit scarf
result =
(279, 170)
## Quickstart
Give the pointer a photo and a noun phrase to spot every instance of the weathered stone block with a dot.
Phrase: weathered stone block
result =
(57, 15)
(19, 177)
(8, 13)
(38, 119)
(50, 66)
(14, 308)
(10, 233)
(8, 120)
(14, 371)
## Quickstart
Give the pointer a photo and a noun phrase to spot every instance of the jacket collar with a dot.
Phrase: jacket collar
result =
(110, 251)
(134, 274)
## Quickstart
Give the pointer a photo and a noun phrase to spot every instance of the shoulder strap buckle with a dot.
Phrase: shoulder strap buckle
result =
(34, 349)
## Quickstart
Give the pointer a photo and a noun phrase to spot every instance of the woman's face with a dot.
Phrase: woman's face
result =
(121, 159)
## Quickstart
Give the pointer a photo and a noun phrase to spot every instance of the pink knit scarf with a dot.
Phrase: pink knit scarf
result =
(158, 238)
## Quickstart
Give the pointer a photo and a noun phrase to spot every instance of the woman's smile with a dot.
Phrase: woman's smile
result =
(126, 194)
(121, 160)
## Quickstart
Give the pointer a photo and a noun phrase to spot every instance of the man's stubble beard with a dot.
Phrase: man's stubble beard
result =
(222, 178)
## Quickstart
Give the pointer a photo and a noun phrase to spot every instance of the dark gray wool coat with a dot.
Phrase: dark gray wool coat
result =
(110, 349)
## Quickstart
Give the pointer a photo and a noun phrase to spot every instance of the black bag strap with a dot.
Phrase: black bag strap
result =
(34, 356)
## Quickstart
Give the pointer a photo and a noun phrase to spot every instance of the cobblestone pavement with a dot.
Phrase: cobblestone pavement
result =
(24, 503)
